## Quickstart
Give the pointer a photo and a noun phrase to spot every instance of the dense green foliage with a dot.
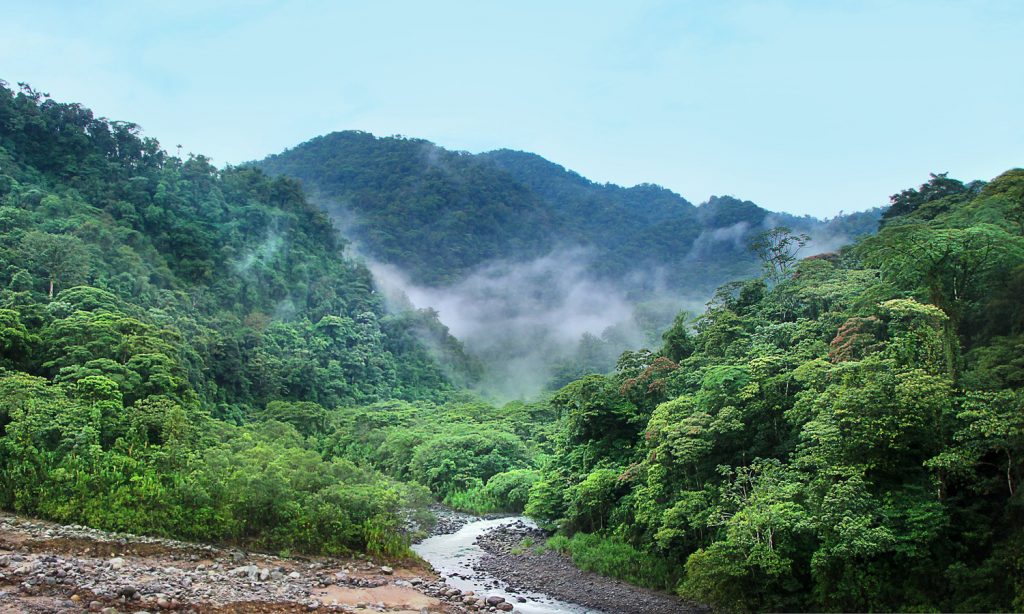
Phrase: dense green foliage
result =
(149, 306)
(610, 556)
(472, 455)
(187, 351)
(438, 214)
(845, 434)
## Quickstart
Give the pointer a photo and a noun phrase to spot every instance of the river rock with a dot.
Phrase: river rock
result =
(245, 570)
(494, 600)
(387, 571)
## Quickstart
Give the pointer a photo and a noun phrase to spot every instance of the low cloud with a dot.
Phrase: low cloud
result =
(525, 320)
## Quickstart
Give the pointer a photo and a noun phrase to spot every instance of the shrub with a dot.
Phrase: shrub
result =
(613, 557)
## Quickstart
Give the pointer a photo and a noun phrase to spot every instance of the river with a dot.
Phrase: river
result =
(455, 556)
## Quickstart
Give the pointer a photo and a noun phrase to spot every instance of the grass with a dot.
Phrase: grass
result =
(615, 558)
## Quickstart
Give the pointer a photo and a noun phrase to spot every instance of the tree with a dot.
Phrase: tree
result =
(61, 258)
(909, 200)
(777, 248)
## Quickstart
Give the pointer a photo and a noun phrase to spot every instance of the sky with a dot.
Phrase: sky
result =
(807, 107)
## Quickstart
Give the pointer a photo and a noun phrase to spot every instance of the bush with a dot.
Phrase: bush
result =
(547, 502)
(510, 490)
(612, 557)
(473, 500)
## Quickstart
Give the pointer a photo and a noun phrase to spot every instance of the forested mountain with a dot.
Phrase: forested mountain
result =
(148, 304)
(542, 273)
(845, 433)
(187, 351)
(439, 214)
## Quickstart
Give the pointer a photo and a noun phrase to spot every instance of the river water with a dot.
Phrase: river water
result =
(455, 555)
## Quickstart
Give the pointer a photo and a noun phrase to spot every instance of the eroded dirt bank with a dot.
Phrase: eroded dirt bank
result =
(46, 567)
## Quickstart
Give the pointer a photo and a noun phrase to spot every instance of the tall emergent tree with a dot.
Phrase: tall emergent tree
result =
(777, 248)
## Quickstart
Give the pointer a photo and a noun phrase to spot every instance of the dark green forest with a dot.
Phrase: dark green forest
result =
(163, 323)
(187, 351)
(844, 433)
(439, 214)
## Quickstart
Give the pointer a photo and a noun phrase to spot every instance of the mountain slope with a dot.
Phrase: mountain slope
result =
(850, 438)
(438, 214)
(172, 337)
(432, 212)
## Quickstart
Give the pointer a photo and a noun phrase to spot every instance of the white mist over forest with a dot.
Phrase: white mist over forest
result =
(529, 320)
(524, 319)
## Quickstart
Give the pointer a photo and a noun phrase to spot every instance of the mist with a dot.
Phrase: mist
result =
(527, 321)
(540, 323)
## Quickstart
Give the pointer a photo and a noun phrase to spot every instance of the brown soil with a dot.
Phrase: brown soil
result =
(46, 568)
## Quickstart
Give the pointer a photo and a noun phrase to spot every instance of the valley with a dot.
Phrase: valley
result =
(233, 363)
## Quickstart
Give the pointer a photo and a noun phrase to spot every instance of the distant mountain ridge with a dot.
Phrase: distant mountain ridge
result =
(440, 214)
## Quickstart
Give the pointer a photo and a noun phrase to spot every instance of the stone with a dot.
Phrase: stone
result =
(505, 606)
(387, 571)
(494, 600)
(245, 570)
(116, 563)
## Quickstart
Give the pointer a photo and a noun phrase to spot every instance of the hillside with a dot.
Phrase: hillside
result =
(849, 437)
(438, 215)
(542, 273)
(171, 332)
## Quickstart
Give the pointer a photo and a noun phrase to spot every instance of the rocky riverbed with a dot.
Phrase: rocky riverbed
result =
(46, 567)
(538, 570)
(487, 555)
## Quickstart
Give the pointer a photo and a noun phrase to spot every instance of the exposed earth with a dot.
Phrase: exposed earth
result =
(46, 567)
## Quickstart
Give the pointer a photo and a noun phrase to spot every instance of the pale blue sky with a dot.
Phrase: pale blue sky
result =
(808, 107)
